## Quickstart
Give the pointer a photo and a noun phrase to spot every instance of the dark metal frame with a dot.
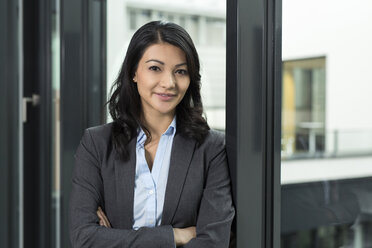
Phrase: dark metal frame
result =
(37, 129)
(83, 84)
(253, 114)
(9, 123)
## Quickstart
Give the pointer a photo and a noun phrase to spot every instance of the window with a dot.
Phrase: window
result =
(326, 171)
(303, 122)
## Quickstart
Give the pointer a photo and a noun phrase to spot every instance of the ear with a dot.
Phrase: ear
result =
(135, 78)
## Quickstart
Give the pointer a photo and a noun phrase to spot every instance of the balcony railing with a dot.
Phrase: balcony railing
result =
(313, 143)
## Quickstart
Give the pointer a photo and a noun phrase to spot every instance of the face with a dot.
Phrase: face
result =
(162, 79)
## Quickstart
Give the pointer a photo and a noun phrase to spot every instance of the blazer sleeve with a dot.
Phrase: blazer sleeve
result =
(216, 211)
(87, 195)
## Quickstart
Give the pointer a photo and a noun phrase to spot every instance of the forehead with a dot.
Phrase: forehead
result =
(165, 52)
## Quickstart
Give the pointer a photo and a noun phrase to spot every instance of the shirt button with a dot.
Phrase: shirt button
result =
(151, 192)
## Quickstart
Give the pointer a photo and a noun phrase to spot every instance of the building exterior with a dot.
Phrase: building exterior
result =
(332, 46)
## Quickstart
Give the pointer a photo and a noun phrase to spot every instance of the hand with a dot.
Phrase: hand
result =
(183, 235)
(103, 221)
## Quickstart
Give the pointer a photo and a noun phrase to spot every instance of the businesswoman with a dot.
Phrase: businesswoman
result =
(156, 176)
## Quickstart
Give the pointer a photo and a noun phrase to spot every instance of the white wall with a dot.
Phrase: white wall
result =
(116, 38)
(342, 31)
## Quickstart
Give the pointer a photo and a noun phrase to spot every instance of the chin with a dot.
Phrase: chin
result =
(166, 111)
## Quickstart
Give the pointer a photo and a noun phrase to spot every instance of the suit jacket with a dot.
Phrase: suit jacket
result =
(198, 193)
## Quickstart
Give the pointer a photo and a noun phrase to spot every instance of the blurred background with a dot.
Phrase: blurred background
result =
(59, 59)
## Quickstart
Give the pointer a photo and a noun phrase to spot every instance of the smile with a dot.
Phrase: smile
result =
(165, 97)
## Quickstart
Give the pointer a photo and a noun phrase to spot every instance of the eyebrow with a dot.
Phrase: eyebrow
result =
(161, 62)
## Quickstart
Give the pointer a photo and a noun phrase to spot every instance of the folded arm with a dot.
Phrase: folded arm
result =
(181, 235)
(87, 196)
(216, 211)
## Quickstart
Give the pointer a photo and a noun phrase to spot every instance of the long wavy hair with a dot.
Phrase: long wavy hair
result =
(125, 102)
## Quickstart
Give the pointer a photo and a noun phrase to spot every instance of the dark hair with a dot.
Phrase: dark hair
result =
(125, 104)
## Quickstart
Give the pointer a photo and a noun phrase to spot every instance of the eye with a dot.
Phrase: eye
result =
(154, 68)
(182, 72)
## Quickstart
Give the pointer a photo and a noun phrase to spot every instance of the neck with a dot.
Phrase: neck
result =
(157, 124)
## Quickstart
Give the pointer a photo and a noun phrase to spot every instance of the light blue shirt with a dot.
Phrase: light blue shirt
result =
(149, 188)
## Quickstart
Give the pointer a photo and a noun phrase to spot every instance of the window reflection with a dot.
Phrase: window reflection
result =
(303, 124)
(326, 169)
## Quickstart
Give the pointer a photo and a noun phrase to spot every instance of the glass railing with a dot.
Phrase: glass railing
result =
(312, 143)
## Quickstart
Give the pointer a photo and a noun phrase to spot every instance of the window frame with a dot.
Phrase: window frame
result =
(253, 118)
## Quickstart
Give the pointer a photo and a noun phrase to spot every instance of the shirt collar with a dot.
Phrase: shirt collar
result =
(172, 127)
(171, 130)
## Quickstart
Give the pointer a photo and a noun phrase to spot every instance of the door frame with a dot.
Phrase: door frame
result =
(253, 118)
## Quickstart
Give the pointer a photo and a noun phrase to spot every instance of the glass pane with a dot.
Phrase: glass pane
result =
(96, 84)
(55, 114)
(326, 170)
(205, 22)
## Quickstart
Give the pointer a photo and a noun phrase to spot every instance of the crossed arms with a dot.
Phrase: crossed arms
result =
(213, 222)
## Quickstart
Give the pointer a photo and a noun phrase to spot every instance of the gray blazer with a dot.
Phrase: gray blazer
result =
(198, 193)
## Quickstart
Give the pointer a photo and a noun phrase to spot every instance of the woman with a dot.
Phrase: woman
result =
(157, 175)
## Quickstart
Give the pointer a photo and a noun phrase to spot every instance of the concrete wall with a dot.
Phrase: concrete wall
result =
(341, 31)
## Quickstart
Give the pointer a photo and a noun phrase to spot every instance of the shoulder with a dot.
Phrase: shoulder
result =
(100, 133)
(97, 139)
(214, 143)
(214, 137)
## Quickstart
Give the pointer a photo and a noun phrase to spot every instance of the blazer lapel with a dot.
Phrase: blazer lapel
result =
(182, 151)
(125, 175)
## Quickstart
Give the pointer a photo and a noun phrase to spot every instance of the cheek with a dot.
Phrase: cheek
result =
(145, 80)
(142, 91)
(139, 88)
(144, 86)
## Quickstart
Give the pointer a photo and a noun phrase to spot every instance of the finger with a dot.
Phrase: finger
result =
(102, 214)
(104, 224)
(102, 220)
(107, 222)
(101, 211)
(99, 214)
(106, 219)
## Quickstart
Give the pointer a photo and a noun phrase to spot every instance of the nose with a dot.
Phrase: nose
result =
(168, 81)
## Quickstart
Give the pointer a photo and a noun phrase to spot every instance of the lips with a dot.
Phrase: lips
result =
(165, 96)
